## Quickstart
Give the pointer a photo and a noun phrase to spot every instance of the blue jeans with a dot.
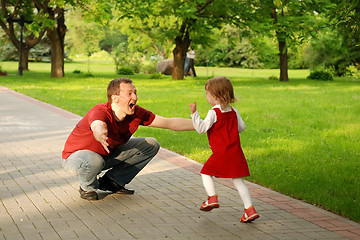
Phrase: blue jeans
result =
(123, 164)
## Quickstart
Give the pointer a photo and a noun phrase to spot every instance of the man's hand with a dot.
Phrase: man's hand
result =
(100, 132)
(193, 107)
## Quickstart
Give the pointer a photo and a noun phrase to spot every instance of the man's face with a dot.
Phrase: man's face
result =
(127, 98)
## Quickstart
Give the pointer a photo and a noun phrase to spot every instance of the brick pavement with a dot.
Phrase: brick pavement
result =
(41, 201)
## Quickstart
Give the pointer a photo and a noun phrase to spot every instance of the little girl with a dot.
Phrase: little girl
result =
(223, 124)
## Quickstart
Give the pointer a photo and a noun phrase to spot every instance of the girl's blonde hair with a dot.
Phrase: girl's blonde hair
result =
(221, 88)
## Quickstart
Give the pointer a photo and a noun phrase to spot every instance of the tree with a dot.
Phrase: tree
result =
(183, 22)
(52, 18)
(48, 16)
(143, 36)
(290, 22)
(326, 52)
(83, 36)
(111, 39)
(11, 10)
(344, 17)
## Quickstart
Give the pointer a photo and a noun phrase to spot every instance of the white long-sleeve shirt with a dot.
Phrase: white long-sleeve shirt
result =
(202, 126)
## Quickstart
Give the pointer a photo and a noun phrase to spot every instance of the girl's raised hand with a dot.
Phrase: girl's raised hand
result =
(193, 107)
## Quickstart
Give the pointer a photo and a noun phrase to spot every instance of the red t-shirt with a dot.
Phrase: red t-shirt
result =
(82, 137)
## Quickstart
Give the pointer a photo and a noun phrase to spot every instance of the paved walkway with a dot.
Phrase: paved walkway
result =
(38, 200)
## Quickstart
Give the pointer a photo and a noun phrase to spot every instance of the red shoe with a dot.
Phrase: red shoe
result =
(212, 202)
(249, 215)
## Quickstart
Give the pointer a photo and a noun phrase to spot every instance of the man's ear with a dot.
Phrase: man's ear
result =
(114, 98)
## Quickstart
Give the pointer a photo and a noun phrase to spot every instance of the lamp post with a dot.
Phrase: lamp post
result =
(21, 21)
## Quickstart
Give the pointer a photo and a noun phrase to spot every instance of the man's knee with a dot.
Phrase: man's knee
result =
(92, 165)
(84, 162)
(152, 141)
(155, 145)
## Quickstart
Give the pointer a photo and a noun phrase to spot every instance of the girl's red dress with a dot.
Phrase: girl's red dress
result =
(227, 160)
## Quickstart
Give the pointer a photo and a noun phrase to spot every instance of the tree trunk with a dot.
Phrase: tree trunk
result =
(179, 61)
(30, 42)
(25, 59)
(57, 54)
(57, 36)
(283, 61)
(281, 37)
(182, 43)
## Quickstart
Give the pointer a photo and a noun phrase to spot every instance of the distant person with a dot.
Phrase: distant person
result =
(189, 63)
(102, 140)
(223, 124)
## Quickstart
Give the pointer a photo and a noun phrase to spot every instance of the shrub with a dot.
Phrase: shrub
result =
(89, 74)
(125, 71)
(321, 76)
(156, 75)
(2, 73)
(273, 78)
(350, 71)
(149, 67)
(76, 71)
(136, 65)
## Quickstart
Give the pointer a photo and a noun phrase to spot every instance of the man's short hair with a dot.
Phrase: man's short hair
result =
(114, 87)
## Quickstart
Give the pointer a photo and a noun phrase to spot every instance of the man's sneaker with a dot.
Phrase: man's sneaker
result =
(106, 184)
(210, 203)
(88, 195)
(249, 215)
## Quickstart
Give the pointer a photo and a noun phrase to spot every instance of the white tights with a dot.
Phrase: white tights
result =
(239, 183)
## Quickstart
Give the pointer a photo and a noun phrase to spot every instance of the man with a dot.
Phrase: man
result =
(102, 141)
(189, 62)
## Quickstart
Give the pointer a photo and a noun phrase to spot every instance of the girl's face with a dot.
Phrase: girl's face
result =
(210, 98)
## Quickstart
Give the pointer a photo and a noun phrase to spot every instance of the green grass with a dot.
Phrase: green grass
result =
(302, 137)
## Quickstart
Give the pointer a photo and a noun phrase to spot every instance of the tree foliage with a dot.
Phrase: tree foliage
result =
(183, 22)
(83, 36)
(344, 17)
(11, 12)
(45, 16)
(236, 33)
(289, 22)
(326, 52)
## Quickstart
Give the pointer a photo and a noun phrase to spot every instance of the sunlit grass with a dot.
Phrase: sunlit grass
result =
(302, 136)
(251, 73)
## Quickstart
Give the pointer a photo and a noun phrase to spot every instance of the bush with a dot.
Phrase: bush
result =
(156, 75)
(149, 67)
(273, 78)
(350, 71)
(2, 73)
(89, 74)
(135, 65)
(321, 76)
(125, 71)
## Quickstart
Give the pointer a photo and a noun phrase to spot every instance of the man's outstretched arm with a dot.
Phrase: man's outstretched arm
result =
(175, 124)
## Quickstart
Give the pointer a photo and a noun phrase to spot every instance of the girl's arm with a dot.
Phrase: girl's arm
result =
(241, 123)
(201, 126)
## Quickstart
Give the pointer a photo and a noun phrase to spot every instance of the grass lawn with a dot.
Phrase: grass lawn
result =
(302, 136)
